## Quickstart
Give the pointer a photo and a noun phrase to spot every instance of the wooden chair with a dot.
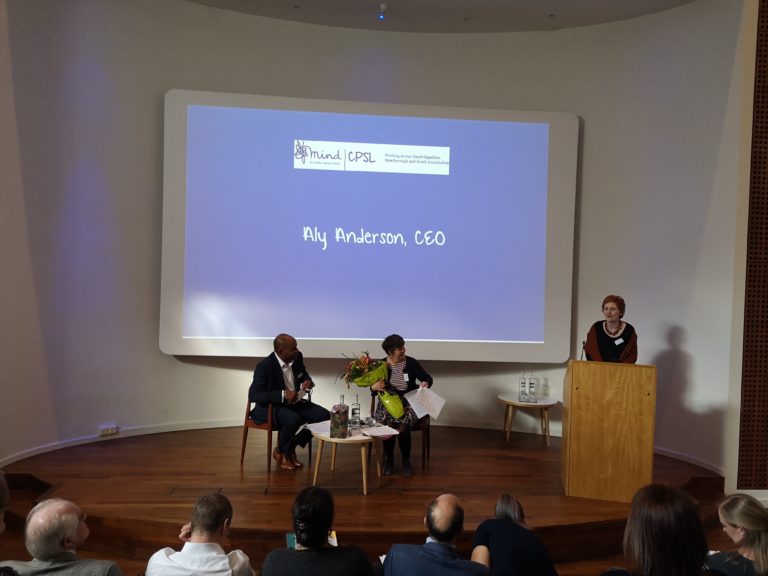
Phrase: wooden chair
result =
(421, 426)
(269, 426)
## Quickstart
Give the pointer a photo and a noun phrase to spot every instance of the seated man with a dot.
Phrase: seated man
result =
(55, 528)
(281, 380)
(202, 552)
(445, 523)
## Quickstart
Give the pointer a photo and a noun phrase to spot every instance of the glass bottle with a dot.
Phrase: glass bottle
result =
(531, 389)
(354, 414)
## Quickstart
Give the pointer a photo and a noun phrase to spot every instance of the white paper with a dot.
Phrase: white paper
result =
(379, 431)
(424, 401)
(323, 427)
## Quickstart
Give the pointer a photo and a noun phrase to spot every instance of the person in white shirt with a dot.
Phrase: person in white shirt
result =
(202, 553)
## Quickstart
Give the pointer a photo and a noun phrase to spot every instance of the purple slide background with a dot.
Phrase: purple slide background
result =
(250, 273)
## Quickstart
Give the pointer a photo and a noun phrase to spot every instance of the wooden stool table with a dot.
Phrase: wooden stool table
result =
(358, 439)
(543, 404)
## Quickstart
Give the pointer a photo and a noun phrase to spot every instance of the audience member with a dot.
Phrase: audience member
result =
(745, 521)
(313, 556)
(506, 545)
(664, 536)
(438, 557)
(281, 379)
(4, 501)
(54, 529)
(203, 537)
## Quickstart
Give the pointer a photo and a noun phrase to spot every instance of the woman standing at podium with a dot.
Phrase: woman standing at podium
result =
(612, 339)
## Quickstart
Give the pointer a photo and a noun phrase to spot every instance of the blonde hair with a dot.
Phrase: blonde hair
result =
(746, 512)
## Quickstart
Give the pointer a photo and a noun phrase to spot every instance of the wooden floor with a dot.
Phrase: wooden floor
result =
(138, 491)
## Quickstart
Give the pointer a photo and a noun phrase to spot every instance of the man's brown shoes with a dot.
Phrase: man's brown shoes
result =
(296, 461)
(285, 462)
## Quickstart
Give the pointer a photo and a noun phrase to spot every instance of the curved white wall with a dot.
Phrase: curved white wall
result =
(664, 101)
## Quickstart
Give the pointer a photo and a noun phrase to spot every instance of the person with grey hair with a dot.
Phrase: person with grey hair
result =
(507, 546)
(203, 538)
(445, 523)
(54, 530)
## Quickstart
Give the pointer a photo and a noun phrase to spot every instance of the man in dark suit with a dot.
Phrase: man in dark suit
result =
(282, 381)
(444, 522)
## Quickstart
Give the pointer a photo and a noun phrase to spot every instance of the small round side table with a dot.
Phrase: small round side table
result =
(543, 404)
(359, 440)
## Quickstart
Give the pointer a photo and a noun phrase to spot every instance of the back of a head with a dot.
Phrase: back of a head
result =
(313, 517)
(664, 536)
(210, 512)
(4, 501)
(4, 496)
(509, 508)
(747, 512)
(48, 525)
(445, 518)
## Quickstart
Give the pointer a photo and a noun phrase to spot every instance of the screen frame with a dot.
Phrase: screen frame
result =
(562, 176)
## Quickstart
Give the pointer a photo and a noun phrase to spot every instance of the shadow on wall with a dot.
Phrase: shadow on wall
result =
(681, 431)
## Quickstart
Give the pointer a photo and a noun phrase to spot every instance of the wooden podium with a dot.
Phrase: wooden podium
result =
(609, 414)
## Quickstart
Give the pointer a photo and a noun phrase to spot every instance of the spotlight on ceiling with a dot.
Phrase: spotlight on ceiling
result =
(382, 10)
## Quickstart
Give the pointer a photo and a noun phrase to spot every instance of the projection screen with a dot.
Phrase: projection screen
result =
(343, 222)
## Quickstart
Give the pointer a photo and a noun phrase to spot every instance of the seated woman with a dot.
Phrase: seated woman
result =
(404, 374)
(745, 521)
(314, 556)
(663, 536)
(507, 546)
(612, 339)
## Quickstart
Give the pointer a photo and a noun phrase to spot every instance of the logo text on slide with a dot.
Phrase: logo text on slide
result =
(364, 157)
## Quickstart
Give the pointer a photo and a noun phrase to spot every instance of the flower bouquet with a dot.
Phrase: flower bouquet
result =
(363, 370)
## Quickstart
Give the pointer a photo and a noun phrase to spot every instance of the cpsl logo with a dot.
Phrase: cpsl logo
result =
(371, 157)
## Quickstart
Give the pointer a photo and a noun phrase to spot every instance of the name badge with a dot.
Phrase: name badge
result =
(405, 376)
(300, 375)
(619, 341)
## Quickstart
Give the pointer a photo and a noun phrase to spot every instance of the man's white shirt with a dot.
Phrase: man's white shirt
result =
(199, 559)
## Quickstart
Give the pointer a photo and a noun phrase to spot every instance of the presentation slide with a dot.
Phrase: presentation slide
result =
(341, 227)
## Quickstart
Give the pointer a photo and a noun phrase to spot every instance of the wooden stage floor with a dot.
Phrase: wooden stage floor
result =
(138, 491)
